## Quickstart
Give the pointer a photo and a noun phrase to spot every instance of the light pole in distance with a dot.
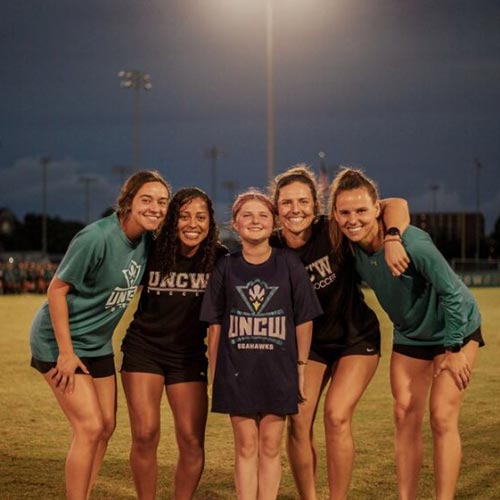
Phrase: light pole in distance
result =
(87, 181)
(136, 80)
(213, 154)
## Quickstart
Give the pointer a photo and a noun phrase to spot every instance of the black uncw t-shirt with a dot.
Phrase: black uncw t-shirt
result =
(347, 319)
(166, 324)
(258, 307)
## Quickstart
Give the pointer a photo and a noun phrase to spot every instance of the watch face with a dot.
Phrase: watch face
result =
(453, 348)
(393, 231)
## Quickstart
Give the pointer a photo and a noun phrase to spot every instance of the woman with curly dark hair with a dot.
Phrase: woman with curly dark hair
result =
(164, 345)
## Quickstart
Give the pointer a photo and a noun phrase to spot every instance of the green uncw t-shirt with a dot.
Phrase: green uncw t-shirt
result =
(104, 268)
(429, 304)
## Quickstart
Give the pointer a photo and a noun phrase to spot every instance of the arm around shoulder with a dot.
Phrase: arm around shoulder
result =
(396, 217)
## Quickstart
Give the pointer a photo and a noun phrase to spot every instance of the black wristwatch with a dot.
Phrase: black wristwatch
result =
(453, 347)
(393, 231)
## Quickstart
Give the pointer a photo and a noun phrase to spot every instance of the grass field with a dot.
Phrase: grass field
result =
(35, 434)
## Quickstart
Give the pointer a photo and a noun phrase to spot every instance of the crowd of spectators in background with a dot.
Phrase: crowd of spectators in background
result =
(25, 277)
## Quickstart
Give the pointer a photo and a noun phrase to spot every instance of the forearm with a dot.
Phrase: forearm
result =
(395, 213)
(59, 314)
(303, 334)
(213, 347)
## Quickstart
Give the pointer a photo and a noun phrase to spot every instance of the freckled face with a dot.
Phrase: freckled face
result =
(357, 215)
(193, 225)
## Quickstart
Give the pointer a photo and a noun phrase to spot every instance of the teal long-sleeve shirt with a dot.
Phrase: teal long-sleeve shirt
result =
(428, 304)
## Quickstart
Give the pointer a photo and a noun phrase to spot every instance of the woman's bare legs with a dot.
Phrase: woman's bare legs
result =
(189, 404)
(350, 377)
(106, 394)
(91, 429)
(144, 392)
(445, 403)
(410, 382)
(301, 450)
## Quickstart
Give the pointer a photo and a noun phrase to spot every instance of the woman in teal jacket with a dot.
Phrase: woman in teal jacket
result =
(437, 329)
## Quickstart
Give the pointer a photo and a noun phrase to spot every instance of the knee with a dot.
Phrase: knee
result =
(404, 414)
(247, 450)
(337, 423)
(299, 428)
(92, 430)
(443, 422)
(109, 426)
(269, 448)
(146, 436)
(192, 444)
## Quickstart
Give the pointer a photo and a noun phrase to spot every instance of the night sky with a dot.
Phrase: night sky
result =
(407, 90)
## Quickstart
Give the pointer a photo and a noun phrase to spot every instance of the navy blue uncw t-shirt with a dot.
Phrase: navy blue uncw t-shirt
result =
(258, 307)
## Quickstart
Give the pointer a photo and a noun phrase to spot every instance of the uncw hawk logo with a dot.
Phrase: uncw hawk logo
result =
(132, 273)
(256, 294)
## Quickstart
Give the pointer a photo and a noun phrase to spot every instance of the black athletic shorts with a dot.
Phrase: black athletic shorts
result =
(429, 352)
(99, 367)
(330, 355)
(174, 371)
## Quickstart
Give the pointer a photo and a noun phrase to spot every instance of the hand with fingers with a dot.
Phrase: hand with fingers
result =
(458, 366)
(64, 371)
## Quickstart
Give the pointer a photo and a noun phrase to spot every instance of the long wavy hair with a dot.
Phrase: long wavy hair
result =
(346, 179)
(166, 248)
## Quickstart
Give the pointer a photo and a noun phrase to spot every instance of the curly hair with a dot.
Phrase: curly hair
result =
(346, 179)
(298, 173)
(166, 247)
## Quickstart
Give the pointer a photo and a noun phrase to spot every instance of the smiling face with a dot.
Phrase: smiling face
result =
(147, 210)
(253, 222)
(295, 206)
(193, 225)
(357, 216)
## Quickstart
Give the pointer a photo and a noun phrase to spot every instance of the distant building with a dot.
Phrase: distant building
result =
(456, 234)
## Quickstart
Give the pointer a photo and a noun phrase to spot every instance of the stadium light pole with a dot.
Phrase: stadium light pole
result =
(136, 80)
(87, 181)
(44, 162)
(213, 154)
(434, 189)
(122, 171)
(230, 186)
(478, 167)
(270, 88)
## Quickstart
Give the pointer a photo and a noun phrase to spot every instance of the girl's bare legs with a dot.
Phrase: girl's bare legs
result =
(410, 382)
(301, 450)
(91, 428)
(445, 402)
(144, 392)
(189, 404)
(246, 447)
(270, 434)
(350, 377)
(257, 442)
